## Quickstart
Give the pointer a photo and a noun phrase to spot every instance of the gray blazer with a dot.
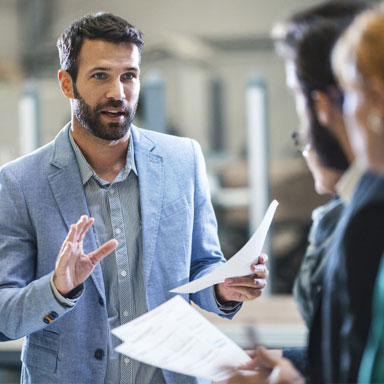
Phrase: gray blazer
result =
(41, 194)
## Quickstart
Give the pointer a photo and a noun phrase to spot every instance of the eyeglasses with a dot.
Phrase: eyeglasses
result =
(300, 142)
(336, 95)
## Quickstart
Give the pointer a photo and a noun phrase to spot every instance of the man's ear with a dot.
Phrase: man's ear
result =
(66, 83)
(323, 107)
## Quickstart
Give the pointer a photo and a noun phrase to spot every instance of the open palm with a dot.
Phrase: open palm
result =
(73, 266)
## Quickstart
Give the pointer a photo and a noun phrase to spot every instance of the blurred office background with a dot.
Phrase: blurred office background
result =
(209, 71)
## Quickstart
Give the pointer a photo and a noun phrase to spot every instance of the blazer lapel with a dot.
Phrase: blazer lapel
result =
(68, 190)
(150, 170)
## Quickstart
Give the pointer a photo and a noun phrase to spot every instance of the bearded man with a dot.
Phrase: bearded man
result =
(142, 198)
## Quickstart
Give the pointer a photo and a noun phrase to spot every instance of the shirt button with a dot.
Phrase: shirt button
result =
(99, 354)
(111, 191)
(118, 231)
(126, 360)
(123, 273)
(125, 313)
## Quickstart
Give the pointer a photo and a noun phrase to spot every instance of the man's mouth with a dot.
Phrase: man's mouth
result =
(113, 113)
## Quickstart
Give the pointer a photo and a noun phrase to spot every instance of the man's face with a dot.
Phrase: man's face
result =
(107, 88)
(324, 178)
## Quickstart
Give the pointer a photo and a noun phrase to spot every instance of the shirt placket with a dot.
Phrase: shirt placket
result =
(125, 304)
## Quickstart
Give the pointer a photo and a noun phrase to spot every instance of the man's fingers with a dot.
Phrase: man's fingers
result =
(69, 237)
(259, 283)
(266, 358)
(239, 292)
(250, 293)
(77, 231)
(246, 282)
(251, 364)
(64, 256)
(263, 258)
(88, 224)
(257, 378)
(245, 293)
(263, 358)
(103, 251)
(80, 225)
(251, 353)
(245, 288)
(260, 270)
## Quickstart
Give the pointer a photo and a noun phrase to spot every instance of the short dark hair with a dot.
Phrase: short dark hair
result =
(307, 38)
(99, 26)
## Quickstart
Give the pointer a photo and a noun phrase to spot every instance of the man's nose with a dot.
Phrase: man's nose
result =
(116, 90)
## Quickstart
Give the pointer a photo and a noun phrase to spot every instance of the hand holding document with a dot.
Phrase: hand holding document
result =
(240, 263)
(176, 337)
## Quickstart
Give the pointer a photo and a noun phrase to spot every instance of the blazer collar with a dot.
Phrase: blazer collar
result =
(67, 187)
(150, 167)
(141, 139)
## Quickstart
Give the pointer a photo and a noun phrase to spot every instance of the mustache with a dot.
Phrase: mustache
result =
(114, 104)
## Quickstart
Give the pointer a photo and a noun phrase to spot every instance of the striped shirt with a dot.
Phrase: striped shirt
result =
(116, 209)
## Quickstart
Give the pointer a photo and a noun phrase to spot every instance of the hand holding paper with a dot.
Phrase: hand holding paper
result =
(240, 263)
(244, 288)
(176, 337)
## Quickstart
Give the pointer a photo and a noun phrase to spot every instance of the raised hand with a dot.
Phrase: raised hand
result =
(73, 266)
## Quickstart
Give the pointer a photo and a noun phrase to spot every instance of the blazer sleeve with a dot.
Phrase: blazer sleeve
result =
(24, 302)
(206, 252)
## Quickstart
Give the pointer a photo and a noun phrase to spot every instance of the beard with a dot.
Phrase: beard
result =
(90, 117)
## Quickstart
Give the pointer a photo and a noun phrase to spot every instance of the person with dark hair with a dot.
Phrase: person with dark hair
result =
(305, 41)
(142, 198)
(106, 27)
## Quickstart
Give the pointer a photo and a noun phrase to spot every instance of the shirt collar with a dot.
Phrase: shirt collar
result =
(86, 171)
(348, 182)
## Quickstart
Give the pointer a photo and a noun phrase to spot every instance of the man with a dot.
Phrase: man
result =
(148, 197)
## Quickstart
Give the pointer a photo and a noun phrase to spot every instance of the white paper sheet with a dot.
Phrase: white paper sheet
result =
(240, 263)
(176, 337)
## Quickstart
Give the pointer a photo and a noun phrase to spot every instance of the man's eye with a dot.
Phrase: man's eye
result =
(99, 76)
(128, 76)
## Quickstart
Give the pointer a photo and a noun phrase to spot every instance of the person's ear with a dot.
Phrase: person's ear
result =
(323, 107)
(66, 83)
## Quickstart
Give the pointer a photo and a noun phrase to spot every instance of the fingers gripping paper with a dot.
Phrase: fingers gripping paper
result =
(240, 263)
(174, 336)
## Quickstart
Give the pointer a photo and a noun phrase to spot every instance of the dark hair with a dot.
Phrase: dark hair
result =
(98, 26)
(307, 38)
